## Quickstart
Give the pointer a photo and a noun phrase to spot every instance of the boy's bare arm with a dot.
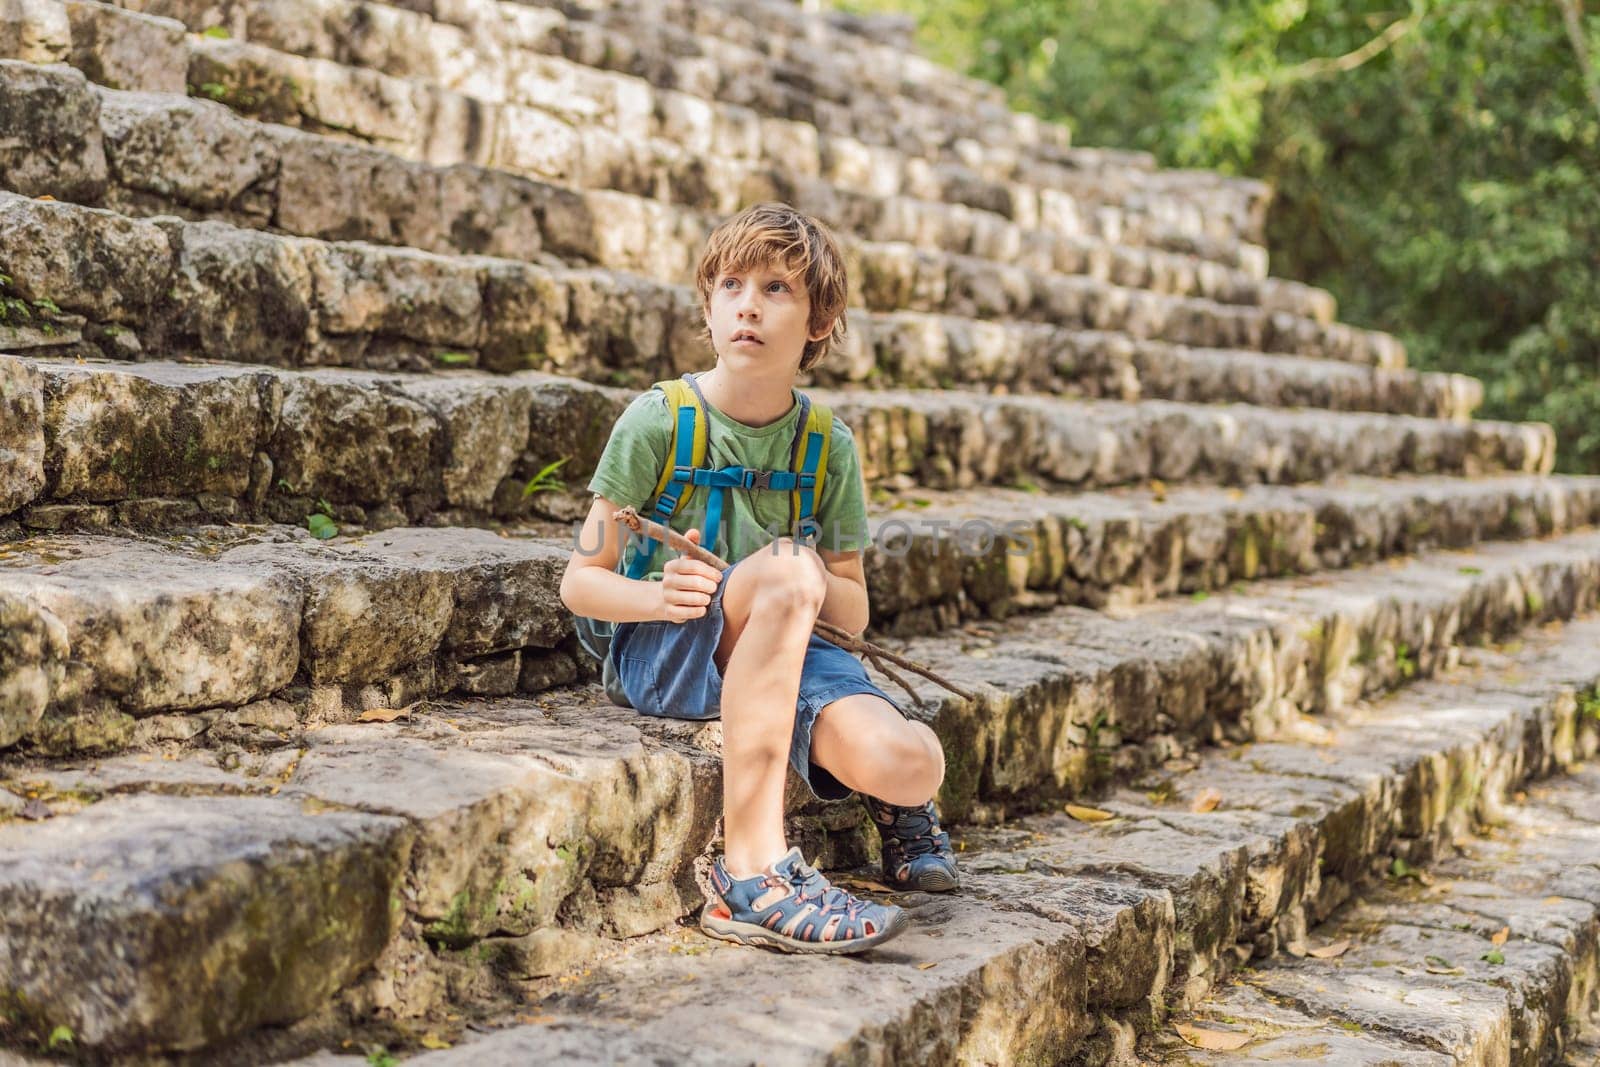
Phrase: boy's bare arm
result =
(846, 603)
(592, 588)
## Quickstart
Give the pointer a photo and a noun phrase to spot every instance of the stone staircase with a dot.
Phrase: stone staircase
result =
(1274, 606)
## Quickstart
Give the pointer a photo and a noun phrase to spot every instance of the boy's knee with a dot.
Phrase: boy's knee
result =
(792, 585)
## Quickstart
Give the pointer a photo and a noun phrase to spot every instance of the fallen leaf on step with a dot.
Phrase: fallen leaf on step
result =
(1212, 1040)
(1330, 952)
(1206, 800)
(433, 1041)
(1083, 814)
(926, 966)
(864, 883)
(1500, 938)
(385, 714)
(1440, 965)
(1551, 900)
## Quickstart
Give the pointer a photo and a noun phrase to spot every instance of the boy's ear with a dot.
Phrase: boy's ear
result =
(826, 328)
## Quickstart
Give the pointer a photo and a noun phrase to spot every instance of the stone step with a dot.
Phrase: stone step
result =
(237, 442)
(212, 290)
(531, 829)
(305, 630)
(608, 139)
(216, 291)
(759, 57)
(895, 277)
(1070, 939)
(1489, 957)
(717, 51)
(146, 153)
(485, 48)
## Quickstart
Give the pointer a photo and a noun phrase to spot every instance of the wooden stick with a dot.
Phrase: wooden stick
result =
(826, 630)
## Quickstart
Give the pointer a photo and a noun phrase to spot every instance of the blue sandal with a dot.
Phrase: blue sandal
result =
(793, 908)
(916, 851)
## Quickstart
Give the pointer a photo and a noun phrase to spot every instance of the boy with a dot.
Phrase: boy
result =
(698, 643)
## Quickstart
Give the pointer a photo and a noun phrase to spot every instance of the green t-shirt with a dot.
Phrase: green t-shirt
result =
(638, 451)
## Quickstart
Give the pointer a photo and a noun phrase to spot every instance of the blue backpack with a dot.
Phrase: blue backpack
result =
(808, 464)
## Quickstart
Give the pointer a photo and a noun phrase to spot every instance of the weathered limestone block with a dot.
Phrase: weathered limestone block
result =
(107, 267)
(237, 295)
(148, 429)
(338, 191)
(217, 635)
(156, 888)
(369, 615)
(488, 212)
(268, 86)
(50, 140)
(34, 646)
(365, 289)
(1127, 929)
(1025, 976)
(123, 50)
(1207, 883)
(624, 321)
(540, 808)
(21, 434)
(35, 31)
(191, 152)
(526, 311)
(537, 143)
(503, 592)
(344, 436)
(484, 427)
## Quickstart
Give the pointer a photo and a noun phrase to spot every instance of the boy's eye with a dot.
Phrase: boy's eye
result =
(779, 286)
(729, 283)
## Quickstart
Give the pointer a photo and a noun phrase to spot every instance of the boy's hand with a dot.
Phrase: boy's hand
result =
(687, 585)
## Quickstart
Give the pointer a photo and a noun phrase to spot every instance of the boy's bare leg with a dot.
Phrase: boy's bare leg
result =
(769, 605)
(866, 743)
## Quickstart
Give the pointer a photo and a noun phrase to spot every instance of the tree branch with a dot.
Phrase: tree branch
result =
(879, 656)
(1316, 68)
(1572, 15)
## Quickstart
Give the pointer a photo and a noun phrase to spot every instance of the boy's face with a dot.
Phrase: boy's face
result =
(758, 320)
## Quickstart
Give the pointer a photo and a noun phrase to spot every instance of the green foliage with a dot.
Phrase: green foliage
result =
(545, 481)
(61, 1035)
(1434, 161)
(321, 527)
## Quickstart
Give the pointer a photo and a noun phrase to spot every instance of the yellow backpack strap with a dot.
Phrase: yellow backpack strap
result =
(686, 450)
(808, 459)
(687, 447)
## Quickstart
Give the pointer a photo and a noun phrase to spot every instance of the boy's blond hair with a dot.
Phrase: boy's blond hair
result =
(777, 233)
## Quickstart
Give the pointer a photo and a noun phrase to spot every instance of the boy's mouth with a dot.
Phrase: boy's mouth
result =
(749, 336)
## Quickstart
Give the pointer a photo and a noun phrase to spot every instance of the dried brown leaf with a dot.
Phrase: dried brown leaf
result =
(1206, 800)
(1332, 951)
(385, 714)
(1212, 1040)
(1500, 938)
(1083, 814)
(927, 966)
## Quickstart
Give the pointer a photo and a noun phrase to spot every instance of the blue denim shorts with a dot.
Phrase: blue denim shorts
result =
(669, 669)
